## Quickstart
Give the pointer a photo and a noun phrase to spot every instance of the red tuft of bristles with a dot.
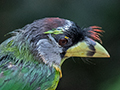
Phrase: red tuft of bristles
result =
(94, 32)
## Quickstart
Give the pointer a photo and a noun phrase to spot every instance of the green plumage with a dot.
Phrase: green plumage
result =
(31, 59)
(19, 70)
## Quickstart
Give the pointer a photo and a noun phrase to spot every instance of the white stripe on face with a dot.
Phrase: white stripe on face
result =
(67, 25)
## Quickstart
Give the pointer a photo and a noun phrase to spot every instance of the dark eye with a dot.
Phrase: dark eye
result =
(63, 41)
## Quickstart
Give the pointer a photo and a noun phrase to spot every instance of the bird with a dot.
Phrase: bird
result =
(32, 57)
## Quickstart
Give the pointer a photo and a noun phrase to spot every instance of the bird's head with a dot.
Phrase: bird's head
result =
(55, 39)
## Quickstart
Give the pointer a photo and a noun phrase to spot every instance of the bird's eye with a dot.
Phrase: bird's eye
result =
(63, 41)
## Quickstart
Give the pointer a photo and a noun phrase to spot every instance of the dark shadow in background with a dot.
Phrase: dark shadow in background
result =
(77, 75)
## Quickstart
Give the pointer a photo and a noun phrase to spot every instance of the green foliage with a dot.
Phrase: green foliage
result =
(111, 84)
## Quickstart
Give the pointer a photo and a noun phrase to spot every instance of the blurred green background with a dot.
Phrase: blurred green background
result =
(77, 75)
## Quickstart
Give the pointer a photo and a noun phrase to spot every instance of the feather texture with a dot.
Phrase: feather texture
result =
(19, 69)
(93, 32)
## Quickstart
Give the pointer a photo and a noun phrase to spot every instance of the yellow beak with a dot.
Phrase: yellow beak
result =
(88, 48)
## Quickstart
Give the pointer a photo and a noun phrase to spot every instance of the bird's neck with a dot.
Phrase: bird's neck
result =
(23, 53)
